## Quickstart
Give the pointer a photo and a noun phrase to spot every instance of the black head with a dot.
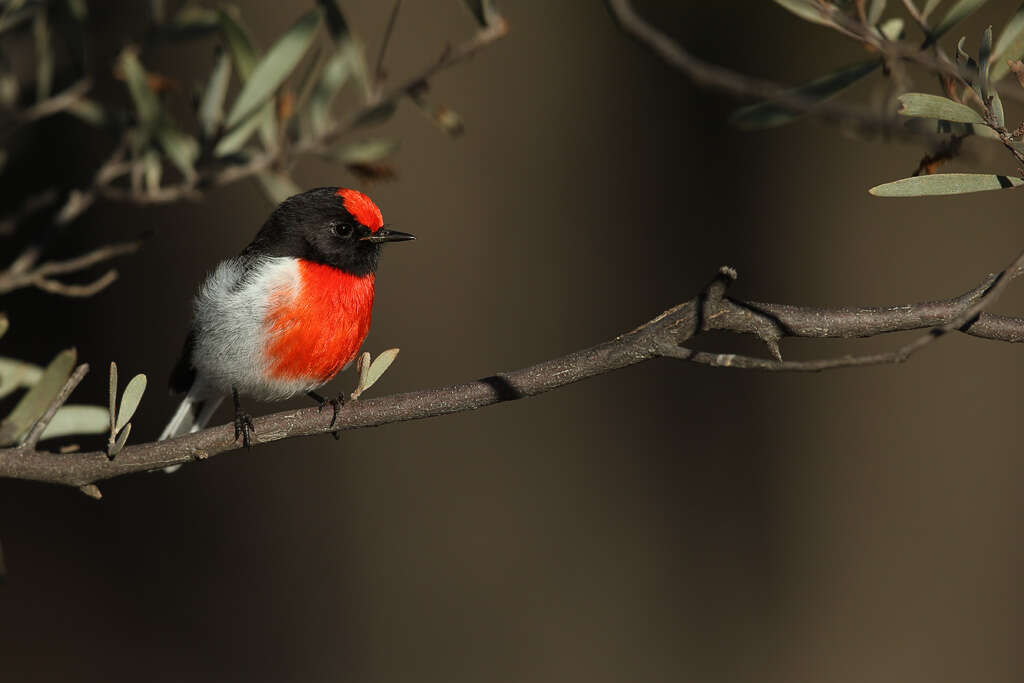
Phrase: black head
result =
(334, 226)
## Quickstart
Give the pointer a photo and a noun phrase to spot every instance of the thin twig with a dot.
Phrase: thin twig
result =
(378, 71)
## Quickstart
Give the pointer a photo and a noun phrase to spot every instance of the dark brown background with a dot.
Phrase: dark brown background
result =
(666, 522)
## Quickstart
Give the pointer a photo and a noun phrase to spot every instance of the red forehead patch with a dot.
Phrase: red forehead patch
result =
(362, 207)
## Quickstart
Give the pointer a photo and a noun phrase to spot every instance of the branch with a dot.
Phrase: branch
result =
(657, 338)
(21, 273)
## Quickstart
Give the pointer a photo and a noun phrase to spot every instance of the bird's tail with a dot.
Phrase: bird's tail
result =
(194, 413)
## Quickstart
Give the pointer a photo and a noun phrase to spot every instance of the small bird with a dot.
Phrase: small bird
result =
(288, 313)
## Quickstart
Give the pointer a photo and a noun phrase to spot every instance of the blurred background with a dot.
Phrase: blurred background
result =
(664, 522)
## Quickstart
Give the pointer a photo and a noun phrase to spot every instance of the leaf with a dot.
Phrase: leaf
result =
(362, 367)
(957, 13)
(122, 439)
(806, 10)
(364, 151)
(378, 368)
(245, 57)
(75, 420)
(130, 400)
(770, 114)
(182, 149)
(112, 398)
(875, 11)
(945, 184)
(271, 71)
(984, 53)
(929, 7)
(35, 401)
(892, 29)
(90, 111)
(5, 324)
(153, 169)
(376, 114)
(937, 107)
(17, 374)
(1009, 45)
(211, 107)
(277, 186)
(147, 106)
(484, 11)
(346, 43)
(997, 109)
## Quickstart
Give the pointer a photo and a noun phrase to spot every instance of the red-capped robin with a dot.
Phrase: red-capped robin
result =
(288, 313)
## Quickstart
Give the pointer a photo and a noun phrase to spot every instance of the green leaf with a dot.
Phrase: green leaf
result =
(806, 10)
(1010, 45)
(364, 151)
(376, 114)
(485, 12)
(957, 13)
(997, 109)
(929, 7)
(152, 169)
(347, 45)
(362, 368)
(277, 186)
(272, 70)
(211, 107)
(182, 149)
(378, 367)
(5, 324)
(147, 105)
(944, 184)
(17, 374)
(892, 29)
(770, 114)
(122, 439)
(130, 400)
(90, 111)
(984, 53)
(75, 420)
(245, 57)
(336, 71)
(35, 401)
(937, 107)
(875, 10)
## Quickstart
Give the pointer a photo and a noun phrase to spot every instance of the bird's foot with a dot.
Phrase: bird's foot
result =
(243, 423)
(336, 405)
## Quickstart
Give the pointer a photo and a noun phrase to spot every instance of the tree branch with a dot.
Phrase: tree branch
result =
(660, 337)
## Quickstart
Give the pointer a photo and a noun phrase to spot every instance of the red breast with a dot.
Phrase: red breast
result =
(317, 329)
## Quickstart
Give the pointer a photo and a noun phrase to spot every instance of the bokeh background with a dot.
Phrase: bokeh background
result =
(665, 522)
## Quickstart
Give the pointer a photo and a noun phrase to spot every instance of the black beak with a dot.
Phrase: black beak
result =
(385, 235)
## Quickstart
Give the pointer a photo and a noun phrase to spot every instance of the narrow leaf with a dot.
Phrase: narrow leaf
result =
(182, 149)
(875, 11)
(483, 10)
(130, 400)
(984, 53)
(5, 324)
(945, 184)
(245, 57)
(347, 44)
(274, 67)
(147, 106)
(937, 107)
(35, 401)
(17, 374)
(122, 439)
(77, 420)
(379, 366)
(892, 29)
(211, 108)
(770, 114)
(957, 13)
(362, 368)
(1009, 45)
(808, 10)
(364, 151)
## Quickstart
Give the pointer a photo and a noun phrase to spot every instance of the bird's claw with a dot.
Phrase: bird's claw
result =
(244, 428)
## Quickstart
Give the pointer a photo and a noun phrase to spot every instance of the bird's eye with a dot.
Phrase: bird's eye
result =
(341, 229)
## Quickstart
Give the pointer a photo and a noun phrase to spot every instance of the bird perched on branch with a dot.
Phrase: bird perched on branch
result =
(288, 313)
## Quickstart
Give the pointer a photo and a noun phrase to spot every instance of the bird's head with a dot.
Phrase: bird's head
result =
(339, 227)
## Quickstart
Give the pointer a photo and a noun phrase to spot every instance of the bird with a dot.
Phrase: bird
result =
(287, 314)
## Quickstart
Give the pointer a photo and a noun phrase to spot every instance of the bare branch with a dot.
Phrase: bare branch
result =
(15, 277)
(660, 337)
